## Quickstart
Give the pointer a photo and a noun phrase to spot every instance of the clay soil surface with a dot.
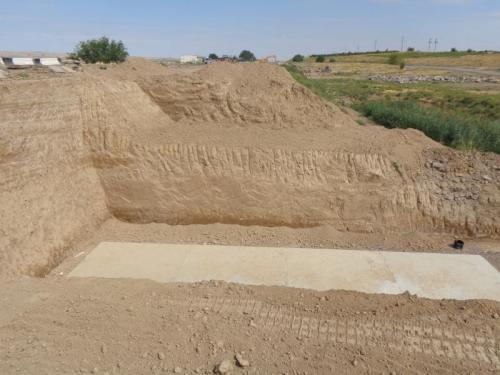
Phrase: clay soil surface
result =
(234, 154)
(72, 326)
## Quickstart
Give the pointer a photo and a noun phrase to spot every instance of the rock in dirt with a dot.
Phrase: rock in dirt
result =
(439, 166)
(240, 361)
(225, 367)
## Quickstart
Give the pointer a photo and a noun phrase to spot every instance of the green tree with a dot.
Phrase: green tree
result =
(298, 58)
(320, 59)
(453, 50)
(213, 56)
(411, 49)
(100, 50)
(246, 55)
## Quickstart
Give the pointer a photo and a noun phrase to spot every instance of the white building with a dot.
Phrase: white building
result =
(190, 59)
(271, 59)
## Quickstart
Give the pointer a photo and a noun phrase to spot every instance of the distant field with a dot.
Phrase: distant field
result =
(458, 116)
(475, 59)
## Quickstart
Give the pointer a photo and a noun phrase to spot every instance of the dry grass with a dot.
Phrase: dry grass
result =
(482, 61)
(363, 70)
(459, 59)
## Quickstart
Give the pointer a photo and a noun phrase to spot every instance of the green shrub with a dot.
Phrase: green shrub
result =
(298, 58)
(100, 50)
(320, 59)
(395, 59)
(402, 65)
(332, 59)
(452, 130)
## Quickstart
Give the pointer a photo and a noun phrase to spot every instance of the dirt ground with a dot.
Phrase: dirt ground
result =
(140, 327)
(73, 326)
(227, 154)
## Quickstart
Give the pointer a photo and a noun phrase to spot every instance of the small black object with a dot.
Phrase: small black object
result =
(458, 244)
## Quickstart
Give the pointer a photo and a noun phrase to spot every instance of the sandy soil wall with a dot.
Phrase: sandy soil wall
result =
(194, 183)
(50, 194)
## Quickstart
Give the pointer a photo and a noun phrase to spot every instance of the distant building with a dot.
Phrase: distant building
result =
(27, 62)
(191, 59)
(271, 59)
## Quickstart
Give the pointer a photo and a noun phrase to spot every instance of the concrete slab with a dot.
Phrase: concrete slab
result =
(428, 275)
(22, 61)
(50, 61)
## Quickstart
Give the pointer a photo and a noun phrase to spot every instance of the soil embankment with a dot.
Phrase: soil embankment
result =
(227, 143)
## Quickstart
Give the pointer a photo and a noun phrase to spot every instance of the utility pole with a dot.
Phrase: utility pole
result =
(435, 44)
(402, 43)
(375, 50)
(430, 43)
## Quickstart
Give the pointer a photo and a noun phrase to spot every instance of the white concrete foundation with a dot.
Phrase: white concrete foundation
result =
(428, 275)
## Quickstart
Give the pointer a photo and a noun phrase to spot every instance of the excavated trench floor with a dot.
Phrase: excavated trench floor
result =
(429, 275)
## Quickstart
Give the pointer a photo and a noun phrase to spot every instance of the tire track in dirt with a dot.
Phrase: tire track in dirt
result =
(402, 336)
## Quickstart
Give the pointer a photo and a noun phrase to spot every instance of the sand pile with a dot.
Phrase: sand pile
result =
(227, 143)
(241, 94)
(131, 69)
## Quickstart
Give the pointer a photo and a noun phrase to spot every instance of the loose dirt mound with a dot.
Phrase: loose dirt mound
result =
(130, 70)
(241, 94)
(227, 143)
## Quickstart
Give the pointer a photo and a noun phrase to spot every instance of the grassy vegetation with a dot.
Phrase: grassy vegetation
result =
(455, 131)
(449, 114)
(450, 97)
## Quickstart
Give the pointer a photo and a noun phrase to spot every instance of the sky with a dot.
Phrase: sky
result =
(171, 28)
